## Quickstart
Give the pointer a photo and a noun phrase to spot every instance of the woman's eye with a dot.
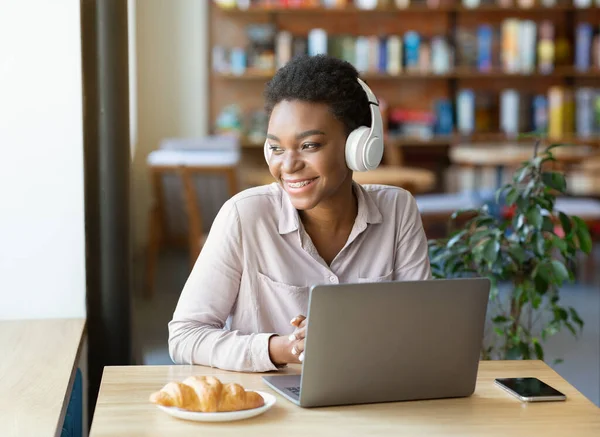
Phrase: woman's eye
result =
(275, 149)
(310, 145)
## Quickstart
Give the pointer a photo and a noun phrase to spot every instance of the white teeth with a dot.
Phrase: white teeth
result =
(298, 184)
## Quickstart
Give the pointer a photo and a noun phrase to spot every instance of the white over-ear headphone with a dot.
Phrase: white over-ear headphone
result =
(364, 145)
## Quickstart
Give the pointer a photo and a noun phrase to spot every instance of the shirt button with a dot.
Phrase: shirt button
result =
(333, 279)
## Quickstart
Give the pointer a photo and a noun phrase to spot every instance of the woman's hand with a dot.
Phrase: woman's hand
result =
(298, 336)
(289, 350)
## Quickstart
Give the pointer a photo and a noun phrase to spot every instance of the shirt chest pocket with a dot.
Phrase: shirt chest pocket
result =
(376, 277)
(279, 302)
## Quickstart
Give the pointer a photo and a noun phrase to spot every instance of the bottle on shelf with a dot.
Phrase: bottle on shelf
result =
(465, 111)
(546, 47)
(317, 42)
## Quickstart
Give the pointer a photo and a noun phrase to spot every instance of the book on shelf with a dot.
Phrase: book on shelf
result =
(412, 42)
(373, 54)
(596, 50)
(485, 36)
(444, 124)
(583, 46)
(510, 45)
(394, 55)
(283, 48)
(539, 117)
(561, 112)
(527, 46)
(382, 55)
(597, 112)
(466, 50)
(361, 58)
(484, 112)
(440, 55)
(585, 112)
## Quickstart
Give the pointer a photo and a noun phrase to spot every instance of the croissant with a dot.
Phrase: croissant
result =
(206, 394)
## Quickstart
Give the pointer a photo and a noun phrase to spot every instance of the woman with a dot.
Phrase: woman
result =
(269, 244)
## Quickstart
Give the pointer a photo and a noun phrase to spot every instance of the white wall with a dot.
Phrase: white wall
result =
(42, 258)
(172, 75)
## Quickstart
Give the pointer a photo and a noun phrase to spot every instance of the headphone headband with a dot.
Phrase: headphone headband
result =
(370, 95)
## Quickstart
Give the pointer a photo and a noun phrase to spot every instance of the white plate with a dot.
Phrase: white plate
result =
(221, 417)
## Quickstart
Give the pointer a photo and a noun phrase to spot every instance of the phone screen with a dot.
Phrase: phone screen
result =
(529, 387)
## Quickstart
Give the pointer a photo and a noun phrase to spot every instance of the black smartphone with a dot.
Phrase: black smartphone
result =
(530, 389)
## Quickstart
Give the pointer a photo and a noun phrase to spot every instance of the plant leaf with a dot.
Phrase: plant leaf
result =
(534, 217)
(539, 243)
(548, 225)
(539, 351)
(455, 238)
(583, 235)
(455, 214)
(558, 361)
(565, 222)
(518, 253)
(500, 319)
(513, 353)
(571, 328)
(522, 203)
(559, 243)
(521, 173)
(525, 351)
(554, 180)
(575, 317)
(520, 221)
(511, 197)
(559, 270)
(561, 314)
(491, 251)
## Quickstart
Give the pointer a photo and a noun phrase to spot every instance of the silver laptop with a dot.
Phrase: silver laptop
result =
(390, 341)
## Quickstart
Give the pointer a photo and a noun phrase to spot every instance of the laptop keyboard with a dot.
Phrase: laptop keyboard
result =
(294, 390)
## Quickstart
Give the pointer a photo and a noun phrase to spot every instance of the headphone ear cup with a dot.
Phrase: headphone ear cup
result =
(373, 153)
(355, 144)
(266, 151)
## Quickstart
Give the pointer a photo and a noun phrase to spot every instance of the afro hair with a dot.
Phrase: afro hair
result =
(321, 79)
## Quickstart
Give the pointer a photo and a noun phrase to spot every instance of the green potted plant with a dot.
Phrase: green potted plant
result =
(532, 248)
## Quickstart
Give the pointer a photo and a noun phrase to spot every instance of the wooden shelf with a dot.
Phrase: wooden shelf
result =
(410, 9)
(413, 141)
(460, 73)
(333, 11)
(501, 138)
(451, 140)
(513, 9)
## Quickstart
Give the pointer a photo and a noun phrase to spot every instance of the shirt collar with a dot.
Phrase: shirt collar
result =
(368, 212)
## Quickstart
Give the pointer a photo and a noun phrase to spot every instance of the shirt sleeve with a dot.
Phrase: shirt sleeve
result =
(412, 251)
(197, 333)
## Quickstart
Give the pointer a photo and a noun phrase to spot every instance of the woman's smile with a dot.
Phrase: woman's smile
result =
(298, 186)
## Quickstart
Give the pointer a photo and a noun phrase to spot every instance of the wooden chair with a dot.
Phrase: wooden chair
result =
(186, 158)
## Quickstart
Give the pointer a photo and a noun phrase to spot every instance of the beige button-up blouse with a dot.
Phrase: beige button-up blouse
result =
(257, 265)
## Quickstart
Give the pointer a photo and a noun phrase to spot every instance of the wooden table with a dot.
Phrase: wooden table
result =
(38, 360)
(123, 409)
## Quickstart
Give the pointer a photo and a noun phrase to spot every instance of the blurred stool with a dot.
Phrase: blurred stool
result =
(415, 180)
(186, 158)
